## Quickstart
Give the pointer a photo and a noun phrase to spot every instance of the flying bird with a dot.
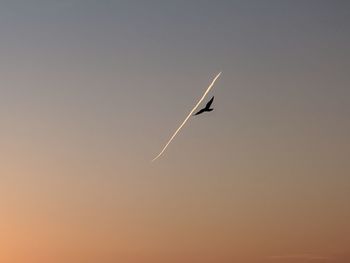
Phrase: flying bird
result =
(206, 108)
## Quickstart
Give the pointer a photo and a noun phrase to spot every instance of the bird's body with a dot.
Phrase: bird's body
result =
(206, 108)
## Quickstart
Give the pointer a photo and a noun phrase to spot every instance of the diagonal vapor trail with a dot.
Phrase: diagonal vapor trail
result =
(189, 115)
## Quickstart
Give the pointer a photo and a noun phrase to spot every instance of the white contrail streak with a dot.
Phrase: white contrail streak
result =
(189, 115)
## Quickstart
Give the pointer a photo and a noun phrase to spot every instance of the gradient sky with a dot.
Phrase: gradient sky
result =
(91, 90)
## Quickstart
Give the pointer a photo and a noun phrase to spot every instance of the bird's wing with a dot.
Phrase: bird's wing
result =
(199, 112)
(209, 103)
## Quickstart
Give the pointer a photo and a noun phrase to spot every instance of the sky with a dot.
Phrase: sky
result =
(91, 91)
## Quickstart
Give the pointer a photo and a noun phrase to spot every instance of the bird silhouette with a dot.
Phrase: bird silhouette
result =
(206, 108)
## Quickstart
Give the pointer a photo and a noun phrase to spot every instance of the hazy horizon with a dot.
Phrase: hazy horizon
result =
(92, 90)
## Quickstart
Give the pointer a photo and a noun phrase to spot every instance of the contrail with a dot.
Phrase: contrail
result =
(189, 115)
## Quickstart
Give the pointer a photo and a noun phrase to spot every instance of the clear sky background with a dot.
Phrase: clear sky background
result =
(91, 90)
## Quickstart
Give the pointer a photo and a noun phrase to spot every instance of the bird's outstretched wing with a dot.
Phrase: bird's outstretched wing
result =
(199, 112)
(209, 103)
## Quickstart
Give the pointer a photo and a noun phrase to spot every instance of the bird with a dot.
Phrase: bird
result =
(206, 108)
